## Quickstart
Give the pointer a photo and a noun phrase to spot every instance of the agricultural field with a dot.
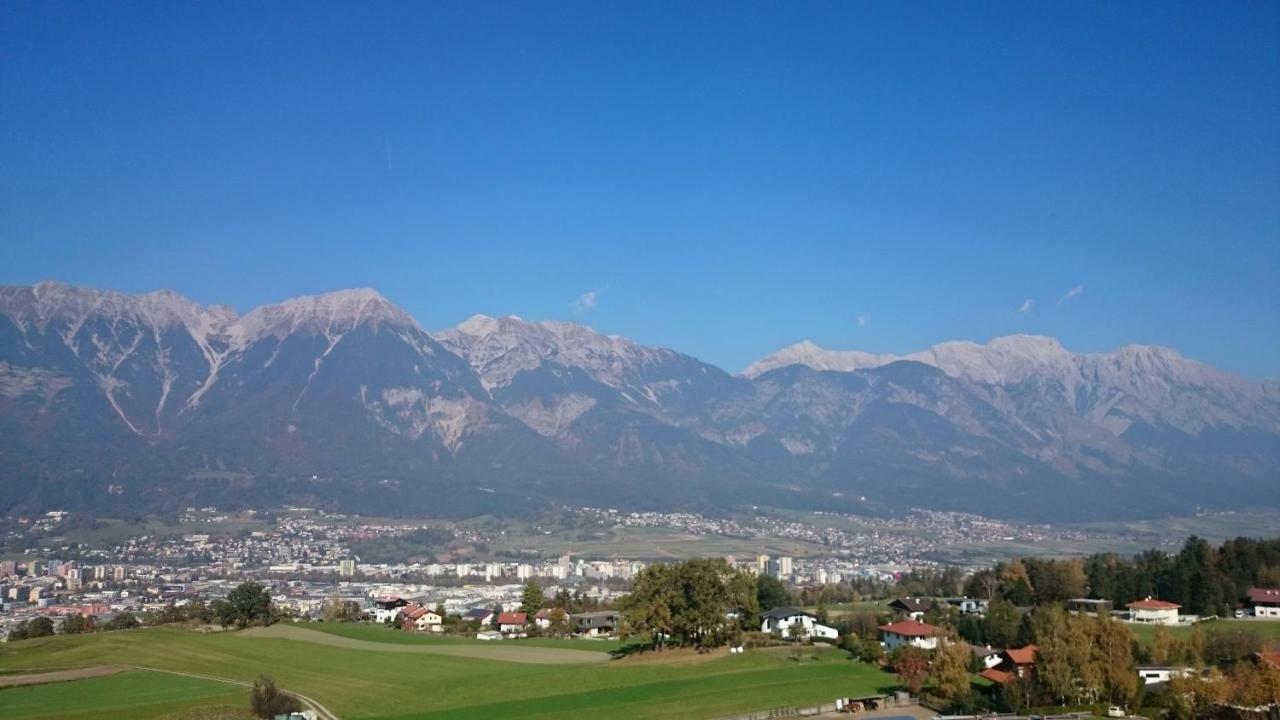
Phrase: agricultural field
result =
(138, 695)
(370, 679)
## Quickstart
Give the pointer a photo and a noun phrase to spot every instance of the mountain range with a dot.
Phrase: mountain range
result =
(153, 402)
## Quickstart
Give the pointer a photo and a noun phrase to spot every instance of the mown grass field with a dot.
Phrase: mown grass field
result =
(1269, 630)
(382, 633)
(138, 695)
(373, 684)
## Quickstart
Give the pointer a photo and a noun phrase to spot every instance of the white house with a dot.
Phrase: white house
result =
(787, 620)
(1265, 603)
(1155, 612)
(1152, 674)
(423, 619)
(512, 624)
(385, 609)
(910, 632)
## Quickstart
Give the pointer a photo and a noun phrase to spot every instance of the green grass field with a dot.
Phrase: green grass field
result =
(136, 695)
(1270, 631)
(382, 633)
(372, 684)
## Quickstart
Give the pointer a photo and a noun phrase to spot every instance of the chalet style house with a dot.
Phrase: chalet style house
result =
(910, 632)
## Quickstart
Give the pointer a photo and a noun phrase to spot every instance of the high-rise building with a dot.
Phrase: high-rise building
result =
(762, 564)
(347, 567)
(784, 566)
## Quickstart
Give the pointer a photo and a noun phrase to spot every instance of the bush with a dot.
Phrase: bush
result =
(267, 700)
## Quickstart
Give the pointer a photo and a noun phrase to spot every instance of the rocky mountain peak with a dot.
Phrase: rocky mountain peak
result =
(328, 314)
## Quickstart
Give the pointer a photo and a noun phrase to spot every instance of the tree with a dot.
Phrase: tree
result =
(248, 604)
(39, 627)
(77, 623)
(35, 628)
(912, 665)
(532, 599)
(1114, 651)
(688, 602)
(771, 592)
(124, 621)
(950, 670)
(1015, 583)
(559, 622)
(339, 610)
(1000, 626)
(267, 700)
(1017, 694)
(871, 651)
(795, 631)
(1161, 645)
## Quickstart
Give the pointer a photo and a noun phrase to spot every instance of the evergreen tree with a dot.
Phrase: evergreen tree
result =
(532, 599)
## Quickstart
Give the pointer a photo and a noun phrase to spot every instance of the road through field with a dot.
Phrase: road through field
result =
(504, 650)
(57, 675)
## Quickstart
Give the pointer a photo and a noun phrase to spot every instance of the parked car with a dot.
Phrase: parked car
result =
(1115, 711)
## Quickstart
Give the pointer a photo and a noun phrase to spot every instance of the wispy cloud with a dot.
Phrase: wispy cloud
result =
(586, 302)
(1073, 292)
(1025, 308)
(863, 320)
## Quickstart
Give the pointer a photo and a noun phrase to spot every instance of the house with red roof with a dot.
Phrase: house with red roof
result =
(512, 624)
(1014, 663)
(910, 632)
(1155, 612)
(421, 618)
(1265, 603)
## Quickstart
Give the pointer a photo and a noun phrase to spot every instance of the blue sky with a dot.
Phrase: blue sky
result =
(726, 178)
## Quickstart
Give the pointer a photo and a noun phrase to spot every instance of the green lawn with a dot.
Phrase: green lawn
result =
(137, 695)
(368, 684)
(382, 633)
(1269, 630)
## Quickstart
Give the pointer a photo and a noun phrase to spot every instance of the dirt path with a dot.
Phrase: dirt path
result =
(58, 675)
(504, 650)
(321, 711)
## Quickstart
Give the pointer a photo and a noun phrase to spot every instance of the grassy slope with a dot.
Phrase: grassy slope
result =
(137, 695)
(1269, 630)
(366, 684)
(380, 633)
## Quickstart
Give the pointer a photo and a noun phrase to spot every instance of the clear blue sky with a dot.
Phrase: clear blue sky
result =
(730, 178)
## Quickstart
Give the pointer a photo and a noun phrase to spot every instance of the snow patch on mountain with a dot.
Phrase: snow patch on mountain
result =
(811, 355)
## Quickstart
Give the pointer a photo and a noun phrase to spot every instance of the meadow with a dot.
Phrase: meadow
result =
(1270, 631)
(137, 695)
(368, 683)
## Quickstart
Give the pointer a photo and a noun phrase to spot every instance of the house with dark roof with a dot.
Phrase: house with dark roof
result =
(794, 624)
(595, 624)
(911, 608)
(1089, 606)
(482, 615)
(968, 605)
(910, 632)
(387, 607)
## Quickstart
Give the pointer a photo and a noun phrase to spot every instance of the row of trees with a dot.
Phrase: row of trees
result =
(1203, 579)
